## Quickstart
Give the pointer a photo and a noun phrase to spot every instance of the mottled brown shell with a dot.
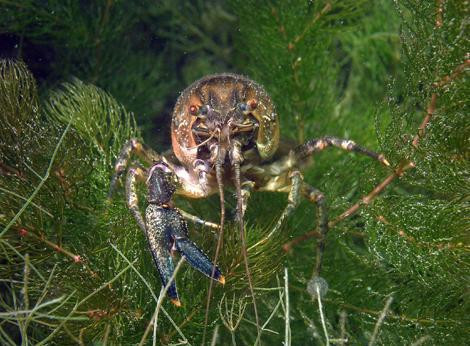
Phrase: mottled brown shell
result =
(224, 86)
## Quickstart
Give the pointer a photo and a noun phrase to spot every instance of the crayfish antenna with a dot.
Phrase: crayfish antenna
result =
(237, 158)
(218, 172)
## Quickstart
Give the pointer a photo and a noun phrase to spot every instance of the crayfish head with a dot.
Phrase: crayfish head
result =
(217, 110)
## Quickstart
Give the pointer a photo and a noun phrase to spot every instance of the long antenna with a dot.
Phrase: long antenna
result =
(221, 153)
(236, 168)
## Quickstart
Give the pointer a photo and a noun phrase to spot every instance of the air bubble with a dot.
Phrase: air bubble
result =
(317, 282)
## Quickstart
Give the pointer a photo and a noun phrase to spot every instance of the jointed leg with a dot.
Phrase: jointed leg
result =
(246, 188)
(293, 201)
(135, 174)
(314, 195)
(245, 191)
(299, 155)
(133, 146)
(316, 145)
(198, 220)
(317, 197)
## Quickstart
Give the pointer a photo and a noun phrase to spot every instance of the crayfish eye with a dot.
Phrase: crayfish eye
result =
(204, 110)
(243, 107)
(193, 110)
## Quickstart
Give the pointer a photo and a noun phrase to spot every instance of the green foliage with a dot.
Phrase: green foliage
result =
(142, 53)
(108, 291)
(364, 70)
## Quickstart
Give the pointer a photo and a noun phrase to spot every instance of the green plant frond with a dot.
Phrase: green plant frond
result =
(95, 115)
(19, 105)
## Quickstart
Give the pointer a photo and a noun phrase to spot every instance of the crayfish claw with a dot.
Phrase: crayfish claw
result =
(164, 262)
(176, 302)
(197, 259)
(166, 233)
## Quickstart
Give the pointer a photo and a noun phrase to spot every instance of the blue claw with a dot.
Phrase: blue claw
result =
(167, 231)
(160, 247)
(198, 259)
(165, 268)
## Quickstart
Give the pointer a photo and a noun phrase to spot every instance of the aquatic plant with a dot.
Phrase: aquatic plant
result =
(76, 269)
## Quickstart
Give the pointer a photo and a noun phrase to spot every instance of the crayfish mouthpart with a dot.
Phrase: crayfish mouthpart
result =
(176, 302)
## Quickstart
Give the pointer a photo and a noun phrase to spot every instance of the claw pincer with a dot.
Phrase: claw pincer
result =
(167, 231)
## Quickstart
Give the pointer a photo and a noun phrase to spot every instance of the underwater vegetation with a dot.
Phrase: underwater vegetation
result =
(78, 79)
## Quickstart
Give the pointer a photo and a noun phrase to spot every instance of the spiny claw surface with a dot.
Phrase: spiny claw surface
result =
(166, 231)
